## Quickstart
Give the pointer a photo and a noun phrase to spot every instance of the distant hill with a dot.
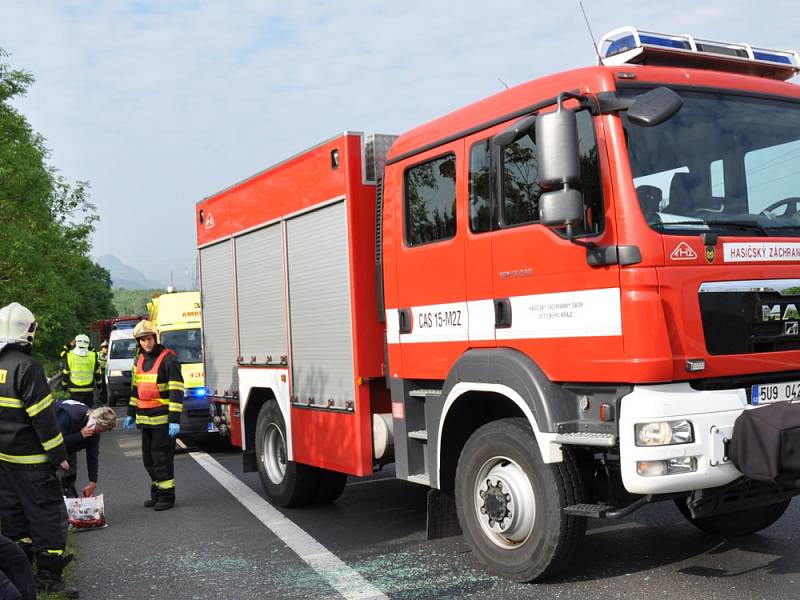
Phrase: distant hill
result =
(124, 276)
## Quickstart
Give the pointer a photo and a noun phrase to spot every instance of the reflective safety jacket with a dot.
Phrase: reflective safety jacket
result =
(81, 372)
(157, 390)
(29, 433)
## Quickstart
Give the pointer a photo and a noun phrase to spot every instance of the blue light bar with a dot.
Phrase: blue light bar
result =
(196, 392)
(629, 45)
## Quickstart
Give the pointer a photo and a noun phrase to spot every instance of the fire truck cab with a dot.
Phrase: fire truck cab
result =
(582, 283)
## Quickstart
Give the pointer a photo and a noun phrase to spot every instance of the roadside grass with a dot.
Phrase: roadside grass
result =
(68, 572)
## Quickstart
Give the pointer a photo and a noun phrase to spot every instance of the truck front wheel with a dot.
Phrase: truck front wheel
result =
(510, 503)
(286, 483)
(739, 523)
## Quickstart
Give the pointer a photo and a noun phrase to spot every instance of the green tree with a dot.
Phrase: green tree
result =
(133, 302)
(45, 231)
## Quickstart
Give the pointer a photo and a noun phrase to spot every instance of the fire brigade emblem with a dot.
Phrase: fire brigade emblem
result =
(710, 254)
(683, 251)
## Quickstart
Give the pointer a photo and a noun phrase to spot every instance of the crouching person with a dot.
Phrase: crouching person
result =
(81, 428)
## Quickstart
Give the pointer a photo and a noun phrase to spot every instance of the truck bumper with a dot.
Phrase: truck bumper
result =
(712, 415)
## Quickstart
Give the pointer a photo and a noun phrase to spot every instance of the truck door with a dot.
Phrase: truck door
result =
(550, 303)
(430, 263)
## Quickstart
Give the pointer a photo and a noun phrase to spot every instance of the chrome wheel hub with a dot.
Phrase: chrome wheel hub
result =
(273, 456)
(504, 502)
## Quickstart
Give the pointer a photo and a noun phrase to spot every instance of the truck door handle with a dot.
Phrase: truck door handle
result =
(502, 313)
(405, 319)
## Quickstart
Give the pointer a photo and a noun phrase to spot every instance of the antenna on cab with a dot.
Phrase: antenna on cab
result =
(591, 35)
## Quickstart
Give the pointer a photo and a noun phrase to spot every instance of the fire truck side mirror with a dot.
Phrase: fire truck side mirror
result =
(561, 207)
(654, 107)
(558, 157)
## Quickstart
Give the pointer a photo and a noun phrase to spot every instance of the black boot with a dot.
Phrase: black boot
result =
(153, 497)
(166, 500)
(50, 569)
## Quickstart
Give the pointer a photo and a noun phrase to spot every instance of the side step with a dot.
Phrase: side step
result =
(606, 511)
(583, 438)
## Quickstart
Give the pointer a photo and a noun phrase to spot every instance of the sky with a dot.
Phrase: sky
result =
(160, 104)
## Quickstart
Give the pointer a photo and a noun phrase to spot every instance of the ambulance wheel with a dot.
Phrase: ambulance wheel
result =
(739, 523)
(331, 486)
(286, 483)
(510, 503)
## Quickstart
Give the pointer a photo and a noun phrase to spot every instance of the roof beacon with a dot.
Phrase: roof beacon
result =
(629, 45)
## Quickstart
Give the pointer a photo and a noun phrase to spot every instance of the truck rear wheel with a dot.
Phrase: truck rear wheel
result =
(739, 523)
(510, 503)
(286, 483)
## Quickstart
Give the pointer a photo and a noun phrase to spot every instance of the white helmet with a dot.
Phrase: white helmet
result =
(17, 325)
(81, 344)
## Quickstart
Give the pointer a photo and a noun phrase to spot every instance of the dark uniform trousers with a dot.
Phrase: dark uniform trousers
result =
(16, 576)
(158, 455)
(31, 506)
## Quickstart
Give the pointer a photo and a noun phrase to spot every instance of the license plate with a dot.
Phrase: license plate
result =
(775, 392)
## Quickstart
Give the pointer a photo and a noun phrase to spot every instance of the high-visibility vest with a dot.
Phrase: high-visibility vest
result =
(81, 369)
(147, 387)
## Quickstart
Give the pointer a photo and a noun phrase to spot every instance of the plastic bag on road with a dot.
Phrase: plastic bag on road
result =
(86, 512)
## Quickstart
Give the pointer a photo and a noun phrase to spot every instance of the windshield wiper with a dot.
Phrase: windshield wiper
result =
(741, 224)
(745, 225)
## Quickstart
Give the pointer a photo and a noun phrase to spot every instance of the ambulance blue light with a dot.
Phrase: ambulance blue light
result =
(197, 392)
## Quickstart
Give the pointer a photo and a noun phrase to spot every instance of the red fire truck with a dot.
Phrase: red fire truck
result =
(554, 304)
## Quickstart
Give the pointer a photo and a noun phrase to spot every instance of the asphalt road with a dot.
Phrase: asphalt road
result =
(210, 546)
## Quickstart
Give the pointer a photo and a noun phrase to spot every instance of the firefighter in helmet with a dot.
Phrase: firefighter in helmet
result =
(31, 449)
(102, 361)
(155, 406)
(81, 371)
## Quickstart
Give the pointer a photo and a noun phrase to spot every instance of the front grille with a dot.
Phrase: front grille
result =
(733, 322)
(197, 413)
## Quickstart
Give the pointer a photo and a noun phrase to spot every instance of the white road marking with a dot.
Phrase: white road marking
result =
(129, 442)
(348, 582)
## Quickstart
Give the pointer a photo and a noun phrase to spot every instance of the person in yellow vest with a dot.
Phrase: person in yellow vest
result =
(156, 405)
(81, 371)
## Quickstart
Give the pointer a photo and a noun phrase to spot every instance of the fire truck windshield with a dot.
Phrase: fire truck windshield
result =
(726, 163)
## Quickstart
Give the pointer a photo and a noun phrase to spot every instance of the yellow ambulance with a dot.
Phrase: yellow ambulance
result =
(177, 317)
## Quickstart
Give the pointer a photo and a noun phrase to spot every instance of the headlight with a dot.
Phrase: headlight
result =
(115, 373)
(664, 433)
